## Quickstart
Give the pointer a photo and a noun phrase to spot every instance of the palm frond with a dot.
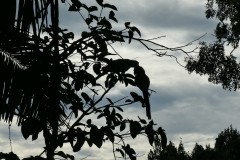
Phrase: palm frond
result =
(9, 68)
(9, 63)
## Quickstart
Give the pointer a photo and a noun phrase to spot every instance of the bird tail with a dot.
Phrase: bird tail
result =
(147, 104)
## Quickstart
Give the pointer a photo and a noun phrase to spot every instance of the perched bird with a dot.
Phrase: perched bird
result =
(143, 82)
(119, 65)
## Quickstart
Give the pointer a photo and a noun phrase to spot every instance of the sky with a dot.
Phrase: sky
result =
(187, 106)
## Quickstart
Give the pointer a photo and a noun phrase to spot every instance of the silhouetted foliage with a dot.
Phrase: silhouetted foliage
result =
(222, 68)
(227, 144)
(182, 154)
(49, 91)
(170, 152)
(226, 148)
(198, 152)
(9, 156)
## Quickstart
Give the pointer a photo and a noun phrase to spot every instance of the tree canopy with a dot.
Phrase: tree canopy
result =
(226, 147)
(214, 60)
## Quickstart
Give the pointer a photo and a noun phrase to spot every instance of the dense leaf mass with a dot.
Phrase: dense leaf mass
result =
(228, 13)
(222, 68)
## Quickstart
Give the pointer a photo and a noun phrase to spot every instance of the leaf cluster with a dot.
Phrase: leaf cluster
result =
(212, 60)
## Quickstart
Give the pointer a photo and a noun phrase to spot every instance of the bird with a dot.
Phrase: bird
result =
(118, 66)
(142, 81)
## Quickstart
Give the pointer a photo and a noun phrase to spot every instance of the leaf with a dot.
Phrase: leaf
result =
(97, 68)
(71, 66)
(119, 116)
(128, 101)
(34, 136)
(105, 23)
(92, 8)
(136, 97)
(135, 29)
(31, 126)
(61, 154)
(70, 35)
(106, 5)
(129, 81)
(77, 3)
(71, 134)
(60, 140)
(163, 137)
(86, 97)
(80, 140)
(112, 16)
(150, 133)
(89, 121)
(96, 136)
(85, 34)
(119, 108)
(74, 110)
(89, 20)
(100, 2)
(109, 134)
(127, 75)
(135, 128)
(90, 143)
(90, 78)
(121, 151)
(130, 152)
(70, 156)
(143, 121)
(73, 8)
(111, 80)
(110, 101)
(100, 116)
(130, 34)
(78, 85)
(122, 126)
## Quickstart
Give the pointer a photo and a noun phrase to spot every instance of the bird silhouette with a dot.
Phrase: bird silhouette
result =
(118, 66)
(143, 82)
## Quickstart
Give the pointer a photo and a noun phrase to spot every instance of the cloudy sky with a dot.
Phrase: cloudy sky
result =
(187, 106)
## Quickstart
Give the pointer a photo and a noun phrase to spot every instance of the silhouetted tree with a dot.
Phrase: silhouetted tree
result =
(226, 148)
(157, 149)
(182, 154)
(50, 92)
(170, 152)
(209, 153)
(198, 152)
(222, 68)
(227, 144)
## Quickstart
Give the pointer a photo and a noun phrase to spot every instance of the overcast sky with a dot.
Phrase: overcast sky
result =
(187, 106)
